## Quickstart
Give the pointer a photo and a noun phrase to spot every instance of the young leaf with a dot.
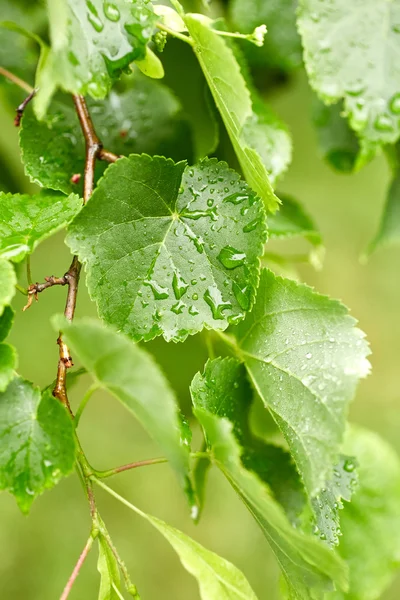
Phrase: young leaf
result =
(282, 45)
(25, 220)
(304, 356)
(131, 375)
(8, 281)
(8, 355)
(220, 397)
(170, 249)
(389, 229)
(233, 101)
(109, 571)
(370, 523)
(351, 52)
(338, 143)
(92, 44)
(37, 442)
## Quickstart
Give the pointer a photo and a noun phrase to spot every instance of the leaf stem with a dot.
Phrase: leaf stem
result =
(93, 388)
(28, 270)
(180, 36)
(21, 289)
(78, 566)
(118, 497)
(14, 79)
(128, 467)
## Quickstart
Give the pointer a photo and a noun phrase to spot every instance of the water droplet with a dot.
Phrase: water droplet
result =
(29, 491)
(309, 355)
(394, 104)
(242, 295)
(214, 300)
(356, 88)
(252, 225)
(198, 214)
(231, 258)
(210, 202)
(94, 18)
(349, 465)
(194, 282)
(178, 307)
(179, 285)
(195, 297)
(236, 198)
(159, 292)
(111, 12)
(383, 123)
(193, 311)
(47, 463)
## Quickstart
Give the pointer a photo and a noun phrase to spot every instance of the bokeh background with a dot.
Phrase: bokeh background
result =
(37, 553)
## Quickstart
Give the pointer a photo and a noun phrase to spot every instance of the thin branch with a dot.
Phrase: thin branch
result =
(129, 466)
(21, 108)
(108, 156)
(36, 288)
(14, 79)
(77, 568)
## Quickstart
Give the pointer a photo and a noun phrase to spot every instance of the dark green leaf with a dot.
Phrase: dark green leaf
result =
(131, 375)
(220, 397)
(282, 45)
(109, 571)
(8, 282)
(233, 101)
(304, 356)
(168, 248)
(370, 523)
(25, 220)
(389, 229)
(351, 52)
(37, 442)
(8, 355)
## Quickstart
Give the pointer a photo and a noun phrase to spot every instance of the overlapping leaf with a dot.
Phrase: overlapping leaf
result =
(220, 397)
(170, 249)
(131, 375)
(8, 281)
(8, 355)
(109, 571)
(233, 101)
(92, 43)
(351, 52)
(25, 220)
(304, 356)
(37, 446)
(389, 228)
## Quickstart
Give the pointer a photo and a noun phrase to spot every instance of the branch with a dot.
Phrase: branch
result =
(108, 156)
(129, 466)
(77, 567)
(36, 288)
(14, 79)
(21, 108)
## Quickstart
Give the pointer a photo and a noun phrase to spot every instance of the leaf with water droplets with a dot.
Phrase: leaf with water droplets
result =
(92, 43)
(351, 52)
(133, 377)
(389, 229)
(282, 44)
(8, 282)
(37, 442)
(370, 523)
(167, 248)
(233, 100)
(304, 356)
(25, 220)
(8, 354)
(263, 476)
(144, 117)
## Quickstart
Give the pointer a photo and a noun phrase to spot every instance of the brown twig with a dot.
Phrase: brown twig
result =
(21, 108)
(77, 568)
(36, 288)
(108, 156)
(129, 466)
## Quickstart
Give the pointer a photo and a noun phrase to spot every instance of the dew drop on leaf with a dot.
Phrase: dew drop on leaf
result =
(214, 300)
(111, 12)
(159, 292)
(231, 258)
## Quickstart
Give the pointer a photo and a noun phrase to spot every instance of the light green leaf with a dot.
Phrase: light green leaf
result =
(131, 375)
(351, 52)
(338, 143)
(282, 45)
(389, 229)
(145, 117)
(371, 522)
(108, 568)
(93, 43)
(304, 356)
(8, 354)
(233, 101)
(220, 397)
(8, 281)
(25, 220)
(151, 65)
(36, 440)
(170, 249)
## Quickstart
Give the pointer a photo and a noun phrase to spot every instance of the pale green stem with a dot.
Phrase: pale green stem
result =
(21, 289)
(176, 34)
(84, 401)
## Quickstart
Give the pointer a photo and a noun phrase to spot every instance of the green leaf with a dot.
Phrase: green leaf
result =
(131, 375)
(8, 281)
(338, 143)
(92, 44)
(8, 354)
(37, 442)
(389, 229)
(109, 571)
(233, 101)
(370, 523)
(282, 45)
(351, 52)
(170, 249)
(25, 220)
(220, 397)
(145, 117)
(304, 356)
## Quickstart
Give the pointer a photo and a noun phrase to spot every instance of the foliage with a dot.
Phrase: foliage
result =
(170, 239)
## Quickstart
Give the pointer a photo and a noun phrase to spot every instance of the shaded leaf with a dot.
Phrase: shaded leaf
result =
(37, 442)
(351, 52)
(233, 101)
(25, 220)
(220, 397)
(8, 354)
(304, 356)
(131, 375)
(166, 255)
(8, 282)
(108, 568)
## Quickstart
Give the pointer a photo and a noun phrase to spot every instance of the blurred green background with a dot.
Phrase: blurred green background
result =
(37, 553)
